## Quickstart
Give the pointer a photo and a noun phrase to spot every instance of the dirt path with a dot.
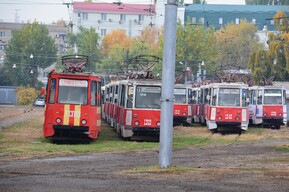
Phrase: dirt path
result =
(10, 114)
(244, 167)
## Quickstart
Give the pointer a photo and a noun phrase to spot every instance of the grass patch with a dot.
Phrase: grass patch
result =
(284, 148)
(25, 140)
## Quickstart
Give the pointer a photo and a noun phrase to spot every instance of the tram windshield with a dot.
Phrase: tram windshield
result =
(72, 91)
(148, 97)
(272, 96)
(180, 95)
(229, 97)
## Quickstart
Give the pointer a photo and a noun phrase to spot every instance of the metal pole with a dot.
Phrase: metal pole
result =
(168, 77)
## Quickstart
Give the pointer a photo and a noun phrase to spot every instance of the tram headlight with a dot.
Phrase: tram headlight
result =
(83, 122)
(237, 118)
(58, 120)
(280, 114)
(136, 123)
(158, 123)
(184, 114)
(219, 118)
(265, 114)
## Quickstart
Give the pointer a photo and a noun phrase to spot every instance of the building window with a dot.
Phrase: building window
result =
(103, 16)
(139, 32)
(237, 21)
(102, 32)
(1, 47)
(140, 17)
(122, 17)
(2, 33)
(84, 16)
(202, 20)
(220, 21)
(194, 20)
(254, 21)
(272, 22)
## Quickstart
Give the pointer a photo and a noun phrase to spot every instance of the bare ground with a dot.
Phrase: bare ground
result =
(251, 165)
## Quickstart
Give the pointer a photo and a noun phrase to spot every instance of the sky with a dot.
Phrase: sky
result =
(47, 11)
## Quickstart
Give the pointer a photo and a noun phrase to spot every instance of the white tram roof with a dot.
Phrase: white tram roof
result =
(226, 85)
(182, 86)
(141, 82)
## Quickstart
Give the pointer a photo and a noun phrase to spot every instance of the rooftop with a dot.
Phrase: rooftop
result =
(236, 8)
(121, 8)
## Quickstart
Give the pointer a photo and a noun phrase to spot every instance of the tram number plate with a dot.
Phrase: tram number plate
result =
(72, 114)
(147, 122)
(228, 116)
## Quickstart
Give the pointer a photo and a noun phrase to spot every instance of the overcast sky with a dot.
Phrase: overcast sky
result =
(47, 11)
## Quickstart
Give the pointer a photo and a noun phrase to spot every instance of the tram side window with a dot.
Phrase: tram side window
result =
(214, 98)
(207, 92)
(52, 90)
(283, 98)
(245, 94)
(93, 93)
(129, 97)
(116, 94)
(190, 101)
(260, 100)
(122, 95)
(98, 95)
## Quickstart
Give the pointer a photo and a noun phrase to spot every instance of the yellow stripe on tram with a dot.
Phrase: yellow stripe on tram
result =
(77, 112)
(66, 114)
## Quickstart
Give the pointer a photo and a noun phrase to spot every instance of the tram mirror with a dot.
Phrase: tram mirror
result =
(208, 97)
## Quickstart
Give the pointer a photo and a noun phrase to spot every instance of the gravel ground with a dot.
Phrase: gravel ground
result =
(247, 166)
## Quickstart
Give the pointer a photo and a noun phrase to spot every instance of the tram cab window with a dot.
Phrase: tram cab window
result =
(229, 97)
(73, 91)
(148, 97)
(52, 90)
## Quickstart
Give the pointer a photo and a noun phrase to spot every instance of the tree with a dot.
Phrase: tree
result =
(273, 63)
(195, 43)
(86, 43)
(235, 43)
(29, 48)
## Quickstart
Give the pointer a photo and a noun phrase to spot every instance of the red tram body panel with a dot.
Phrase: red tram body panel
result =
(73, 106)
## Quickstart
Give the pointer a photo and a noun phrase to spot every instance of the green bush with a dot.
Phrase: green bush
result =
(26, 95)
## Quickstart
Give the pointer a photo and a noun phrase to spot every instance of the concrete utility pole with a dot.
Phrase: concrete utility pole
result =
(168, 81)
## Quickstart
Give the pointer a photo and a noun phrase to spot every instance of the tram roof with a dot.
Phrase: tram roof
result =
(225, 84)
(141, 82)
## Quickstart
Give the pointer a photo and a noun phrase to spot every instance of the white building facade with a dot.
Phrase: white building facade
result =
(106, 17)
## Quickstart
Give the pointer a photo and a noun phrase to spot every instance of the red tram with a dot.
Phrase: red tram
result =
(137, 107)
(182, 104)
(224, 105)
(267, 106)
(73, 103)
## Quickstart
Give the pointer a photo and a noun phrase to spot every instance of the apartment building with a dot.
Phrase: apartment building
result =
(105, 17)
